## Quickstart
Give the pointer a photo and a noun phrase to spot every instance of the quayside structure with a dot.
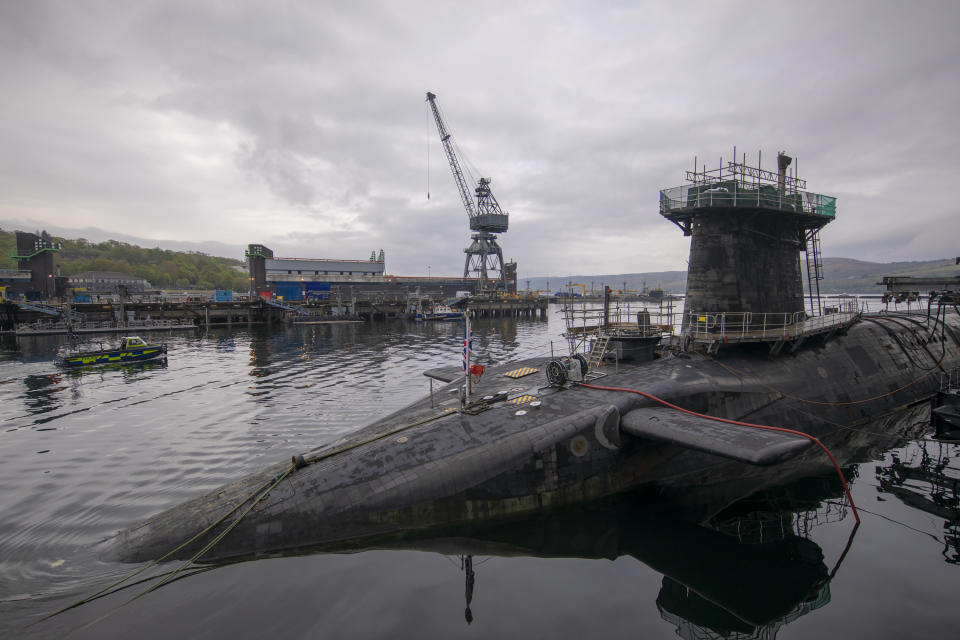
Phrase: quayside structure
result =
(34, 255)
(748, 391)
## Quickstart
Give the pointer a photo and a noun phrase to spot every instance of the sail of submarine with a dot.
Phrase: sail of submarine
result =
(747, 351)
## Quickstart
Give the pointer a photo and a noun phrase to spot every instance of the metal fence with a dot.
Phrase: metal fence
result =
(732, 194)
(585, 321)
(103, 326)
(764, 326)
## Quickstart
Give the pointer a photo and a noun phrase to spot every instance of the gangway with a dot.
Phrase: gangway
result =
(39, 307)
(286, 307)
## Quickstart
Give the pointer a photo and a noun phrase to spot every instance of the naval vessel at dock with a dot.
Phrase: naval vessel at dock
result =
(541, 433)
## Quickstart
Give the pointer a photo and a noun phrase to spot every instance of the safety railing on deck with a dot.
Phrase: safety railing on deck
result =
(950, 381)
(741, 327)
(586, 322)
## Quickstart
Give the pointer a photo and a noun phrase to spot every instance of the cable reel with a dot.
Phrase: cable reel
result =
(569, 369)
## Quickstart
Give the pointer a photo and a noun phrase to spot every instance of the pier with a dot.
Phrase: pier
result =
(147, 315)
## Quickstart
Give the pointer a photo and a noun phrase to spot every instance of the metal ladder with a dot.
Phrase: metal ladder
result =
(814, 269)
(598, 351)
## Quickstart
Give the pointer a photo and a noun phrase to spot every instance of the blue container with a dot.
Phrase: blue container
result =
(316, 290)
(289, 291)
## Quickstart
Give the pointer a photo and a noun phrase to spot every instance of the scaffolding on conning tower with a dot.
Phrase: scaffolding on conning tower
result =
(738, 186)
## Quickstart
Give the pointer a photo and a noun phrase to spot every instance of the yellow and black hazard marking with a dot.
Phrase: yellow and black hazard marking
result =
(524, 399)
(522, 371)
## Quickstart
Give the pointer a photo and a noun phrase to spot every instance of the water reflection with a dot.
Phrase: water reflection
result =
(742, 574)
(130, 371)
(43, 392)
(51, 391)
(920, 475)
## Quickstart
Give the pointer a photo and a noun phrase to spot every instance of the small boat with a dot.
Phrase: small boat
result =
(440, 312)
(132, 349)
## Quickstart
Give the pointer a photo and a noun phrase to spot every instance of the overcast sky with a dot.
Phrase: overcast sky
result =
(304, 126)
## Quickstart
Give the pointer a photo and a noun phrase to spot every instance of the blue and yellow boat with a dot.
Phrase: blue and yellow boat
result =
(132, 349)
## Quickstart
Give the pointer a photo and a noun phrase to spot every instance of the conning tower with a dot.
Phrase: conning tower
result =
(747, 229)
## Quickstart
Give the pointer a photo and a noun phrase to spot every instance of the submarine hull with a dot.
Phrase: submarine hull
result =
(435, 463)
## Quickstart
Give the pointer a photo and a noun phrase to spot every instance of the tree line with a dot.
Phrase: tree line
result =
(163, 268)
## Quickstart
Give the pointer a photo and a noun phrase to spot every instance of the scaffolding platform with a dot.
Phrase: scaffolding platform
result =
(708, 332)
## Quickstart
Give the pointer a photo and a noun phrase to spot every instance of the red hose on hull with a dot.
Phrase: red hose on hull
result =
(836, 466)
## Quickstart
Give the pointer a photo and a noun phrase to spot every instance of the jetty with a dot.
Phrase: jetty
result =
(159, 315)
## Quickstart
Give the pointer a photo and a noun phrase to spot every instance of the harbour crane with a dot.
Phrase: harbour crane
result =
(484, 255)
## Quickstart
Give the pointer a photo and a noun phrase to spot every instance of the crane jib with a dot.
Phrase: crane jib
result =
(487, 206)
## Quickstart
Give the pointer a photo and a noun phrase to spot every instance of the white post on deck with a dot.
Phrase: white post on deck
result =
(466, 354)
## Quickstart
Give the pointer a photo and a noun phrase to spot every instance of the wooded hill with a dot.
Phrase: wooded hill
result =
(162, 268)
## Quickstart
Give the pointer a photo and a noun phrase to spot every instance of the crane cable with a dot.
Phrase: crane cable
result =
(427, 139)
(764, 427)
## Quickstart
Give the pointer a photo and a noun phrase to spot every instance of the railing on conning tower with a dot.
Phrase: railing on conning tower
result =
(738, 185)
(733, 194)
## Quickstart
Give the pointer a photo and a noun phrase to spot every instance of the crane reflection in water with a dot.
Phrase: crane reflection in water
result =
(745, 573)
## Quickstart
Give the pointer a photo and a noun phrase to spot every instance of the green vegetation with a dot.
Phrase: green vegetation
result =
(8, 242)
(162, 268)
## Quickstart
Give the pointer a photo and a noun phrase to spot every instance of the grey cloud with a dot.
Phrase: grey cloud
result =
(303, 123)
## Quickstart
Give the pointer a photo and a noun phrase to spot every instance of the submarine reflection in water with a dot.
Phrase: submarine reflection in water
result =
(921, 476)
(738, 558)
(747, 571)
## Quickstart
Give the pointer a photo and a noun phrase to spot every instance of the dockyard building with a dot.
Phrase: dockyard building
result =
(108, 282)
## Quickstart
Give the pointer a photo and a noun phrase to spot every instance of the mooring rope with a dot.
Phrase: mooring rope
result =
(379, 436)
(273, 483)
(259, 494)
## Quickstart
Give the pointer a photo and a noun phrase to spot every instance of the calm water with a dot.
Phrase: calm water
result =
(85, 454)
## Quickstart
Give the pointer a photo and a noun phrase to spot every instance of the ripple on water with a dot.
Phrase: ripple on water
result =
(123, 444)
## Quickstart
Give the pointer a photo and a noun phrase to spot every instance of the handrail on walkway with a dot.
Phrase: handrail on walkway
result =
(747, 326)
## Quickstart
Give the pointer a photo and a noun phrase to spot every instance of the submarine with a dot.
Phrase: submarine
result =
(752, 383)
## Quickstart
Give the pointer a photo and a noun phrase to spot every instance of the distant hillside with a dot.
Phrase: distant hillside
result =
(162, 268)
(855, 276)
(841, 275)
